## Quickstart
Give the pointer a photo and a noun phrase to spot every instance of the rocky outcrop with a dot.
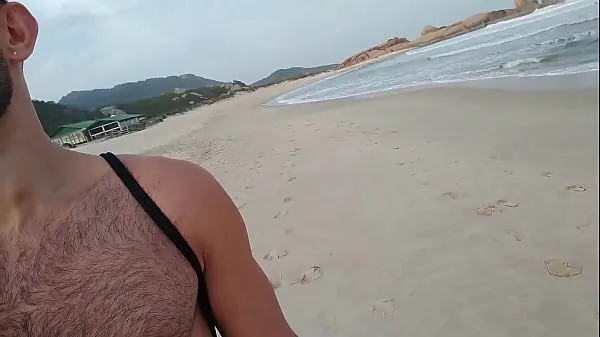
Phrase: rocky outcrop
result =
(467, 25)
(391, 45)
(432, 34)
(430, 29)
(526, 5)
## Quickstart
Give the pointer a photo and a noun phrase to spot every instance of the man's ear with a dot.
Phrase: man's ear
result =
(19, 32)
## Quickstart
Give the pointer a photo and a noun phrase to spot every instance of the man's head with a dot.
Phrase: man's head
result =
(18, 33)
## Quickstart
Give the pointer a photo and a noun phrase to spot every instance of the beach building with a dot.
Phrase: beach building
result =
(71, 135)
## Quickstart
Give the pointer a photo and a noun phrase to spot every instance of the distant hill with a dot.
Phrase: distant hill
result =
(292, 73)
(173, 103)
(53, 115)
(134, 91)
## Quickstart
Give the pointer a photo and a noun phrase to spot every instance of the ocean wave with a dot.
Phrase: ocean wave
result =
(516, 63)
(586, 36)
(573, 38)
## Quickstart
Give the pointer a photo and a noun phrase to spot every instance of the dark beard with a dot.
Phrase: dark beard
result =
(6, 88)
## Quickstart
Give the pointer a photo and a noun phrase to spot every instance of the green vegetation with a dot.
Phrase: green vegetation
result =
(289, 74)
(169, 104)
(53, 115)
(134, 91)
(240, 83)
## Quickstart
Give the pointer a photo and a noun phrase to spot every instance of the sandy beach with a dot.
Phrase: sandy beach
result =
(429, 213)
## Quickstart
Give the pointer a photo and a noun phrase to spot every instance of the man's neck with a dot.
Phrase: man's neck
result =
(30, 167)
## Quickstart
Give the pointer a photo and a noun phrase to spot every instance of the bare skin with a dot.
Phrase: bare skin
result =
(80, 257)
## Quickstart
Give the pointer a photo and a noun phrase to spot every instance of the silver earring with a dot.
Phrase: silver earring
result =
(14, 53)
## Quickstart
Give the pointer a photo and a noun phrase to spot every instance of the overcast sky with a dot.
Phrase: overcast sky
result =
(87, 44)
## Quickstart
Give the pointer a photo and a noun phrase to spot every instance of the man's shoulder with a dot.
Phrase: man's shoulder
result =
(188, 194)
(169, 175)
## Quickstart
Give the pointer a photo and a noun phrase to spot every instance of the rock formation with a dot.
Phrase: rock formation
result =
(429, 29)
(432, 34)
(391, 45)
(526, 5)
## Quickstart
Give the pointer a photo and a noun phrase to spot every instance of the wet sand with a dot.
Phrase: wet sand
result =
(446, 212)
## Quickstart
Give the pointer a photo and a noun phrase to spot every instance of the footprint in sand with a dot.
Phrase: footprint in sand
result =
(509, 172)
(576, 188)
(293, 152)
(274, 254)
(546, 174)
(280, 214)
(515, 235)
(488, 210)
(292, 178)
(508, 203)
(287, 199)
(310, 275)
(496, 207)
(561, 268)
(289, 230)
(451, 195)
(580, 227)
(384, 307)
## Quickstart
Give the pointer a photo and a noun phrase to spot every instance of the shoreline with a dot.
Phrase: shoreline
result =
(557, 82)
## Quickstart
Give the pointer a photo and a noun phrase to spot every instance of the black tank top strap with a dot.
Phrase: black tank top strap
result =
(163, 222)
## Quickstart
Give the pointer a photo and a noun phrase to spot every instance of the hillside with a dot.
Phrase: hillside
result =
(134, 91)
(53, 115)
(172, 103)
(291, 74)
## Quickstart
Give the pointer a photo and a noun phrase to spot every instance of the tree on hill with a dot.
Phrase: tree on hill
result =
(53, 115)
(240, 83)
(169, 104)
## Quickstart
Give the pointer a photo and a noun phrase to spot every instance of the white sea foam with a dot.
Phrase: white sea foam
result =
(514, 38)
(516, 63)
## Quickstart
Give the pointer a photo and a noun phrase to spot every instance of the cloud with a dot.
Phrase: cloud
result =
(86, 44)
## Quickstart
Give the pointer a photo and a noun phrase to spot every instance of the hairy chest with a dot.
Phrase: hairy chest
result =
(104, 269)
